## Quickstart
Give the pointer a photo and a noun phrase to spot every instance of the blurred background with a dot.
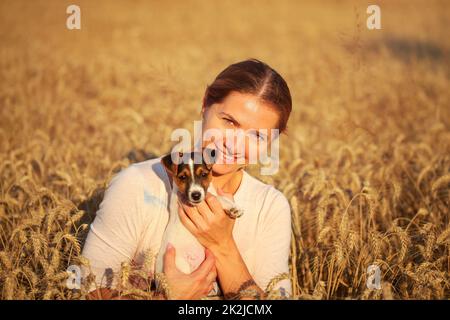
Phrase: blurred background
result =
(365, 163)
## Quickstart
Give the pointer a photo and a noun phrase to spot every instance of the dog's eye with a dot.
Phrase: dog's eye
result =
(204, 174)
(183, 177)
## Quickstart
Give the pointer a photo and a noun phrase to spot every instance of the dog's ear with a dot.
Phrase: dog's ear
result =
(209, 157)
(169, 164)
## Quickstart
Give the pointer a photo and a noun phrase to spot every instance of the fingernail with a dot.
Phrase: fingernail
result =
(169, 246)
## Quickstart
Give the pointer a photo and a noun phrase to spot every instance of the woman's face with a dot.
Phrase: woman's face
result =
(238, 111)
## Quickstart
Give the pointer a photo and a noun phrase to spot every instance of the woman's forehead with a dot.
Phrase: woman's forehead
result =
(249, 111)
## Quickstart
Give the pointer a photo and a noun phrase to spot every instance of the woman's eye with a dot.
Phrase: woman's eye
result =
(229, 121)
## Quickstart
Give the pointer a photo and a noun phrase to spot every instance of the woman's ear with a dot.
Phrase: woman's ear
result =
(204, 98)
(203, 111)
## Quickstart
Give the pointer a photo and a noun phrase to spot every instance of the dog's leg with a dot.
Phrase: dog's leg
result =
(230, 207)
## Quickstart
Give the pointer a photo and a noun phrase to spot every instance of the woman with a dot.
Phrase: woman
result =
(243, 254)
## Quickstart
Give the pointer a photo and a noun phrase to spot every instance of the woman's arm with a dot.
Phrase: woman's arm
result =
(115, 232)
(273, 246)
(235, 279)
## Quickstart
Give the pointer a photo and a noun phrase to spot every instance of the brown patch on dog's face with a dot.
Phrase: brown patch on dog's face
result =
(203, 176)
(183, 178)
(167, 162)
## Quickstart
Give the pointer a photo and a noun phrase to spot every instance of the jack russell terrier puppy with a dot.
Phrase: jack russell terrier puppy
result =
(191, 182)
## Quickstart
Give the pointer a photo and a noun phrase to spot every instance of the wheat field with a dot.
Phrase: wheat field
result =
(365, 163)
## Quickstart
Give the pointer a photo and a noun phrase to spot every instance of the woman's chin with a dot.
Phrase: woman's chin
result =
(220, 169)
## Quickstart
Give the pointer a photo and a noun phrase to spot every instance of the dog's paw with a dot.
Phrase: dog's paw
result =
(235, 213)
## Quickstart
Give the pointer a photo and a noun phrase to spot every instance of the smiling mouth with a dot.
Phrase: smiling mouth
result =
(224, 157)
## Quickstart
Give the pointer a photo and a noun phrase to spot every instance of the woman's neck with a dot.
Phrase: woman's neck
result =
(229, 182)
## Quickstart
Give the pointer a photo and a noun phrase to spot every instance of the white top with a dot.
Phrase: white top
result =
(135, 211)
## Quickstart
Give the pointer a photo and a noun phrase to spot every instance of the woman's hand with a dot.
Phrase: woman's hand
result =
(209, 223)
(189, 286)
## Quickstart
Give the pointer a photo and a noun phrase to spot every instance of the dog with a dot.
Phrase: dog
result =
(191, 180)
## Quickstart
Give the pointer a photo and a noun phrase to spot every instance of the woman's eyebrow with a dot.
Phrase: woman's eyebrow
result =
(234, 120)
(230, 116)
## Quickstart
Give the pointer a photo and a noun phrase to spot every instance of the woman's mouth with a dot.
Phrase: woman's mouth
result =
(223, 156)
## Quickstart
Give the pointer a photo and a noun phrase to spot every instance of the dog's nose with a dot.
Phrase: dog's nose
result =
(196, 195)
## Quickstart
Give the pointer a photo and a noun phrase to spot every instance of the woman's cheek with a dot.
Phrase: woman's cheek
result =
(251, 151)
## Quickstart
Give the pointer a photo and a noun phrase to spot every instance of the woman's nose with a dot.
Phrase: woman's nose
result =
(234, 145)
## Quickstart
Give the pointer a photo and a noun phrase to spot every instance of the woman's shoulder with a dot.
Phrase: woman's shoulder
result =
(270, 195)
(150, 168)
(148, 175)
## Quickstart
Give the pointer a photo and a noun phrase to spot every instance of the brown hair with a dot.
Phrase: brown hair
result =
(253, 77)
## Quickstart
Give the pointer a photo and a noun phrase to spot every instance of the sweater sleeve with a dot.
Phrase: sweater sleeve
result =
(272, 258)
(115, 232)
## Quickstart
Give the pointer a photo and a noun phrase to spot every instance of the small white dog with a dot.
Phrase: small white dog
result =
(191, 182)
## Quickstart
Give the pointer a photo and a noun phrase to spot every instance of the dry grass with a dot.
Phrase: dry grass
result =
(365, 164)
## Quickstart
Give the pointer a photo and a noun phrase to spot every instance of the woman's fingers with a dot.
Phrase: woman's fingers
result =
(208, 289)
(196, 218)
(187, 222)
(212, 275)
(213, 204)
(206, 266)
(210, 279)
(169, 259)
(204, 210)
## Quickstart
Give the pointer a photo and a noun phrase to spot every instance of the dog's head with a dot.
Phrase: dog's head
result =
(191, 171)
